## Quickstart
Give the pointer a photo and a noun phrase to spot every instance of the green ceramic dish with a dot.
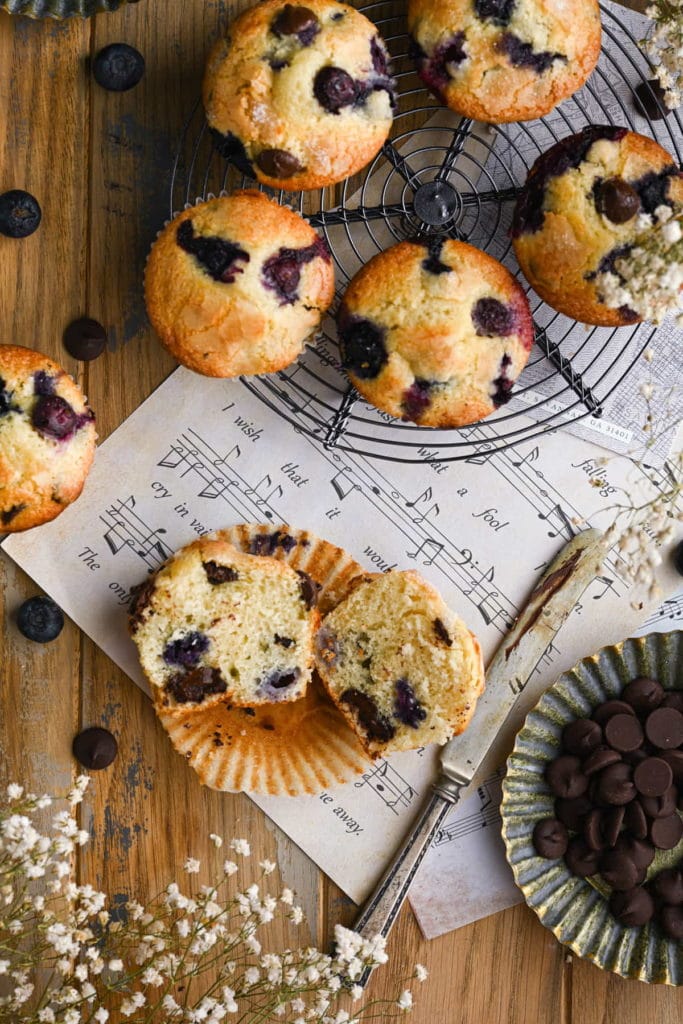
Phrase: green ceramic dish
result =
(573, 908)
(60, 8)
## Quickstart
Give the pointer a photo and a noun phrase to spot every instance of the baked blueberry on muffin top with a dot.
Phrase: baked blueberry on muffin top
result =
(582, 209)
(504, 60)
(237, 285)
(300, 96)
(435, 331)
(47, 439)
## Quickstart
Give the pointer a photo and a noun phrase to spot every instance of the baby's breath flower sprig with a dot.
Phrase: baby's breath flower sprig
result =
(648, 278)
(192, 955)
(664, 47)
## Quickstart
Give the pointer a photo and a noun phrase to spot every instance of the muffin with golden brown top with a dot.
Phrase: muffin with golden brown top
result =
(581, 210)
(300, 96)
(504, 60)
(47, 439)
(435, 332)
(237, 285)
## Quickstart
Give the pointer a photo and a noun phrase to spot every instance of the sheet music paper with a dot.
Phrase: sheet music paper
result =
(482, 531)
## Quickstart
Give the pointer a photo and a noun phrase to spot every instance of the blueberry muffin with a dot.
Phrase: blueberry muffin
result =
(237, 285)
(435, 332)
(504, 60)
(299, 96)
(403, 669)
(581, 210)
(217, 624)
(47, 439)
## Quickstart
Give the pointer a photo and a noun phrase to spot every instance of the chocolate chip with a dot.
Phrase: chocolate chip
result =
(665, 833)
(309, 589)
(592, 830)
(674, 758)
(283, 641)
(653, 776)
(632, 907)
(581, 860)
(278, 163)
(85, 339)
(140, 601)
(639, 851)
(281, 680)
(571, 812)
(612, 820)
(623, 732)
(217, 574)
(618, 870)
(550, 838)
(192, 687)
(442, 633)
(581, 737)
(671, 920)
(609, 708)
(616, 784)
(664, 728)
(617, 200)
(635, 820)
(673, 700)
(659, 806)
(643, 694)
(296, 21)
(375, 724)
(564, 776)
(599, 759)
(95, 748)
(634, 757)
(649, 100)
(668, 885)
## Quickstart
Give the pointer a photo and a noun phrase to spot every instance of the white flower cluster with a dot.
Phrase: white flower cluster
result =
(664, 48)
(188, 957)
(648, 279)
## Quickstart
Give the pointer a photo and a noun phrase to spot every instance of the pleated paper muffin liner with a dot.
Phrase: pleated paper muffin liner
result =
(301, 747)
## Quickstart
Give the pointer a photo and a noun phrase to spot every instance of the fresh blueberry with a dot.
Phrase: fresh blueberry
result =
(649, 100)
(95, 748)
(433, 264)
(296, 21)
(523, 55)
(5, 399)
(437, 70)
(407, 707)
(417, 398)
(40, 619)
(20, 213)
(53, 417)
(278, 163)
(279, 680)
(232, 148)
(43, 383)
(192, 687)
(282, 272)
(564, 155)
(492, 319)
(497, 11)
(380, 60)
(219, 258)
(376, 725)
(334, 88)
(653, 188)
(362, 346)
(85, 339)
(187, 650)
(118, 67)
(217, 574)
(502, 385)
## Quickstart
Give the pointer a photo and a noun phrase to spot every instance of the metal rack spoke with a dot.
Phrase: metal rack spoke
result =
(440, 174)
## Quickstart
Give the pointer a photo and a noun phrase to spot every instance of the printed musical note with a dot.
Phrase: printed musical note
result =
(478, 578)
(125, 529)
(394, 791)
(608, 585)
(263, 500)
(424, 498)
(178, 455)
(530, 457)
(558, 517)
(342, 485)
(430, 548)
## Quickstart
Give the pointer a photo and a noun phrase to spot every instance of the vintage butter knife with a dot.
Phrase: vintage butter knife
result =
(550, 602)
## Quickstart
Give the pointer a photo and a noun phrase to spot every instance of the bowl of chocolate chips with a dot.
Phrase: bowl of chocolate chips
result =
(593, 808)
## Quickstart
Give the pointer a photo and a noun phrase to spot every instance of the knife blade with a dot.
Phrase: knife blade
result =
(548, 606)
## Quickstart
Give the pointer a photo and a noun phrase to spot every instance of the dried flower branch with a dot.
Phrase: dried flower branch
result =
(186, 957)
(664, 47)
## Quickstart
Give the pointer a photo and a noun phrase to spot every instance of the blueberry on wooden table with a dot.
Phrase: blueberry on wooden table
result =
(40, 619)
(95, 748)
(20, 213)
(85, 339)
(118, 67)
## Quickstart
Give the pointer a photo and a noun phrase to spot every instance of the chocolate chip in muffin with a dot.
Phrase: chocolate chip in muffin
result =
(217, 574)
(375, 724)
(278, 163)
(616, 199)
(283, 641)
(279, 680)
(442, 633)
(8, 514)
(220, 258)
(192, 687)
(309, 589)
(362, 346)
(140, 601)
(296, 21)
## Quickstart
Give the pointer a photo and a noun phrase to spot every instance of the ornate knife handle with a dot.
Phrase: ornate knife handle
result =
(382, 907)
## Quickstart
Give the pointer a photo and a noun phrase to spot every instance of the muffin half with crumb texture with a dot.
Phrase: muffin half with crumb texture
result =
(400, 665)
(47, 439)
(217, 624)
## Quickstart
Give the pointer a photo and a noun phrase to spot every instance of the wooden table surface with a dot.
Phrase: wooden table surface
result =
(99, 164)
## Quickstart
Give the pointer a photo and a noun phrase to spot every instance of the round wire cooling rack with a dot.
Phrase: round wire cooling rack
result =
(440, 174)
